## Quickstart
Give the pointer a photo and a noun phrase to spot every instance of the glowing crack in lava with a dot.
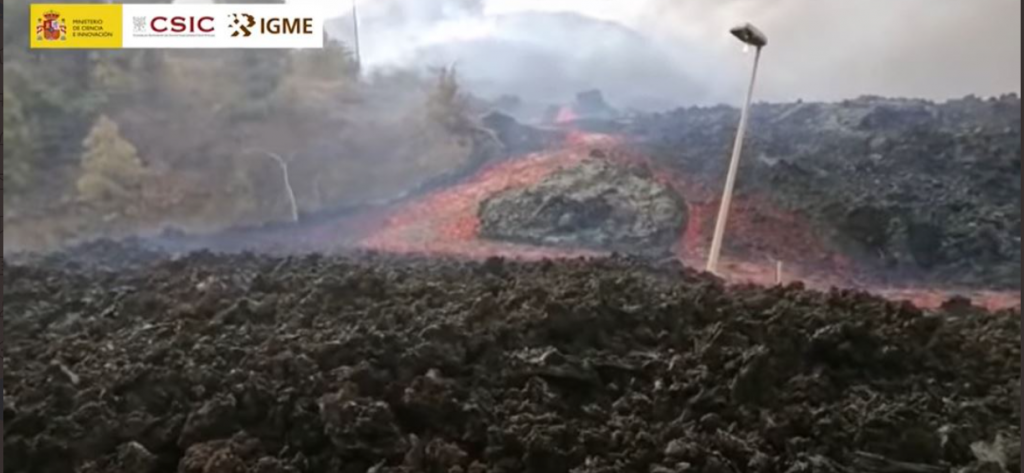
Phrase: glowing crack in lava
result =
(446, 222)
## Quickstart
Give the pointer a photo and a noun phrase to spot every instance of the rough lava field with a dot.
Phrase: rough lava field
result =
(421, 335)
(373, 363)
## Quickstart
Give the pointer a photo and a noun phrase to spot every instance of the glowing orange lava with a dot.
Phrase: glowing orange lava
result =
(566, 115)
(446, 222)
(760, 236)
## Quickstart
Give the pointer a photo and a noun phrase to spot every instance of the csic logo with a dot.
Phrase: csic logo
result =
(174, 26)
(51, 27)
(245, 25)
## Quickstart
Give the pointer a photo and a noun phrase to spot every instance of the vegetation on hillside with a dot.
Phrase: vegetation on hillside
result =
(120, 142)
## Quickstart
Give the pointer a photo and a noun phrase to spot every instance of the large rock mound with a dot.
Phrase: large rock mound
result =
(595, 204)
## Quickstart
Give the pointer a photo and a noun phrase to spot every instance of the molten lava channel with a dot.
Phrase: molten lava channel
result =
(761, 236)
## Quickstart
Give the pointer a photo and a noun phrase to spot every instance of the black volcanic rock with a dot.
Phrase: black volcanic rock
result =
(518, 139)
(422, 365)
(594, 204)
(922, 188)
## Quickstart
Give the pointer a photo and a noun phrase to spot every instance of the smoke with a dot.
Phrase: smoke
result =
(835, 49)
(664, 53)
(544, 57)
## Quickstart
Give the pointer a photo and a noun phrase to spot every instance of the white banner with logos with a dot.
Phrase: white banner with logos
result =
(222, 26)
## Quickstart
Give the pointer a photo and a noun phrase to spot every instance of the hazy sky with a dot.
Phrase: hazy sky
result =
(819, 49)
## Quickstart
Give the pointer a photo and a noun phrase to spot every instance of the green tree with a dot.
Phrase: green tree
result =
(262, 71)
(16, 28)
(111, 169)
(113, 72)
(56, 99)
(447, 105)
(257, 74)
(18, 149)
(334, 62)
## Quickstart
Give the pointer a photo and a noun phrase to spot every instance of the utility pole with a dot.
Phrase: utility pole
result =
(355, 31)
(749, 35)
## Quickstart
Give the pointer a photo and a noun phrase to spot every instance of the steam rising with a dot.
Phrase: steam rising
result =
(663, 53)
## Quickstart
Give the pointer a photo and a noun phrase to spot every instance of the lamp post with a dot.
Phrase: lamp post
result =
(752, 36)
(355, 32)
(289, 192)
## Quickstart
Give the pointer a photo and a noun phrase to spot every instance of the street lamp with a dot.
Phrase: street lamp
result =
(749, 34)
(355, 33)
(290, 193)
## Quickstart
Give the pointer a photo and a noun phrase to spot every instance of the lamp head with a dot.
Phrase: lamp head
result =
(749, 34)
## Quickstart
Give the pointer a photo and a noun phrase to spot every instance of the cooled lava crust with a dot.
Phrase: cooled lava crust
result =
(211, 364)
(595, 204)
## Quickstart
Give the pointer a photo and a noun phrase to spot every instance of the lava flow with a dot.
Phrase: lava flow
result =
(446, 222)
(766, 245)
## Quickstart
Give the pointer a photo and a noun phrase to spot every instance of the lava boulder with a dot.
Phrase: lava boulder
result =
(595, 204)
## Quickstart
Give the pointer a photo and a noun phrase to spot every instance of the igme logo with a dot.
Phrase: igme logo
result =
(242, 24)
(245, 25)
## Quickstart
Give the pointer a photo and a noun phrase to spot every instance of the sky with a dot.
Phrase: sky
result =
(818, 49)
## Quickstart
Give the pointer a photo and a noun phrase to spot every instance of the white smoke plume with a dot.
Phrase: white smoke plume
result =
(835, 49)
(663, 53)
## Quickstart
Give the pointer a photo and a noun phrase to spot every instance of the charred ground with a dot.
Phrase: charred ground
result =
(207, 363)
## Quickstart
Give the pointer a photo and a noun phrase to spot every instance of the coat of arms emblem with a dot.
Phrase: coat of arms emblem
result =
(51, 27)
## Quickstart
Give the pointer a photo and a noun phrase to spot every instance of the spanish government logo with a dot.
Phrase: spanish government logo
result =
(51, 27)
